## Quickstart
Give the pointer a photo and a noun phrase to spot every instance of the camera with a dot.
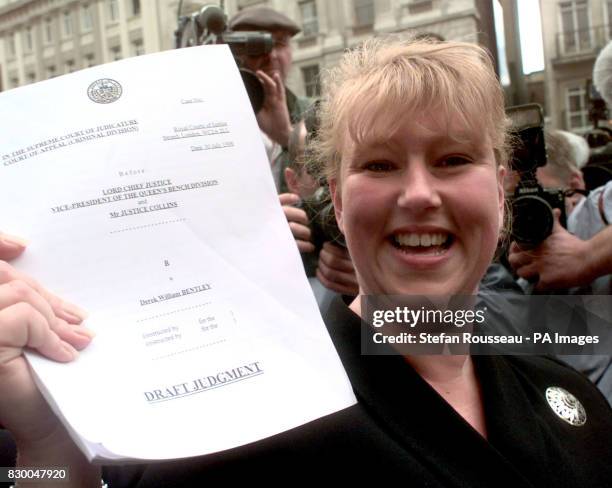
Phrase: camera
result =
(209, 26)
(320, 212)
(532, 206)
(318, 206)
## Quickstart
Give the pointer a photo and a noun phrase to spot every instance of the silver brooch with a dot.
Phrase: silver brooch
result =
(566, 406)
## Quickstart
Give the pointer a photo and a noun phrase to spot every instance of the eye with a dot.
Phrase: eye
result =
(455, 160)
(379, 166)
(280, 43)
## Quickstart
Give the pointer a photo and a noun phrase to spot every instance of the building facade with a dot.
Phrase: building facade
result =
(574, 32)
(40, 39)
(330, 27)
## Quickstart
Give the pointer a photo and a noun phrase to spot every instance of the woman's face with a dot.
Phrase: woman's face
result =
(421, 210)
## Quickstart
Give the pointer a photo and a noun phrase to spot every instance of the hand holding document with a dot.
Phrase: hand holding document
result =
(144, 189)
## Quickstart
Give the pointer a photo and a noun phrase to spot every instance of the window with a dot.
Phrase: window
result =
(137, 47)
(576, 108)
(67, 24)
(49, 30)
(29, 40)
(310, 23)
(31, 76)
(364, 13)
(115, 53)
(575, 26)
(90, 60)
(419, 6)
(311, 80)
(135, 7)
(69, 66)
(609, 18)
(12, 50)
(51, 72)
(14, 82)
(86, 19)
(113, 10)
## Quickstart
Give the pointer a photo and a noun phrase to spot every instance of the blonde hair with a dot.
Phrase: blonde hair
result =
(378, 84)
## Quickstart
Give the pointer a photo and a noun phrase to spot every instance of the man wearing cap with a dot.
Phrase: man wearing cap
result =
(281, 108)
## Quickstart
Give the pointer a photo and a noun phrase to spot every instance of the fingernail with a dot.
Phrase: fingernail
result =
(13, 240)
(84, 332)
(76, 313)
(70, 351)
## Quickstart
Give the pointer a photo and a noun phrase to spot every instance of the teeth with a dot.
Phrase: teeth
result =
(423, 240)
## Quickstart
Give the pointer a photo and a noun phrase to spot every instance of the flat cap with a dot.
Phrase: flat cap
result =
(263, 18)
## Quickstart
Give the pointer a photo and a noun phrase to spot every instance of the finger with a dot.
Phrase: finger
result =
(519, 259)
(336, 250)
(280, 88)
(339, 288)
(293, 214)
(338, 263)
(300, 232)
(288, 198)
(61, 308)
(335, 276)
(557, 219)
(518, 247)
(21, 325)
(305, 246)
(268, 83)
(334, 262)
(514, 248)
(77, 336)
(11, 246)
(529, 272)
(17, 291)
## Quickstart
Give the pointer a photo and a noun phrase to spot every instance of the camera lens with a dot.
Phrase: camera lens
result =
(533, 219)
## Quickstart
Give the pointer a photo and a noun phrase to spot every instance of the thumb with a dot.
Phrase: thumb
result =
(10, 246)
(557, 219)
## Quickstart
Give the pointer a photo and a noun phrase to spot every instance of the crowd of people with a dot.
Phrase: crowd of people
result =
(412, 144)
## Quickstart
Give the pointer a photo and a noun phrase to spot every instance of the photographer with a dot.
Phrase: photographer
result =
(281, 108)
(580, 256)
(561, 260)
(327, 263)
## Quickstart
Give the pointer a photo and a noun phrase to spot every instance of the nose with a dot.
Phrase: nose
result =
(272, 54)
(419, 188)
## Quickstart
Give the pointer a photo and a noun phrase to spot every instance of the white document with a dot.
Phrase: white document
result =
(144, 190)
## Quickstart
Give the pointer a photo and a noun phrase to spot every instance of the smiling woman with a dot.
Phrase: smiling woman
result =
(409, 135)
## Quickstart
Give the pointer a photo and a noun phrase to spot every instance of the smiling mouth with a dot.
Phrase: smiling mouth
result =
(426, 244)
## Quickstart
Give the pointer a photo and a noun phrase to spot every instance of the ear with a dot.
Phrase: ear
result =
(292, 181)
(501, 194)
(337, 201)
(576, 181)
